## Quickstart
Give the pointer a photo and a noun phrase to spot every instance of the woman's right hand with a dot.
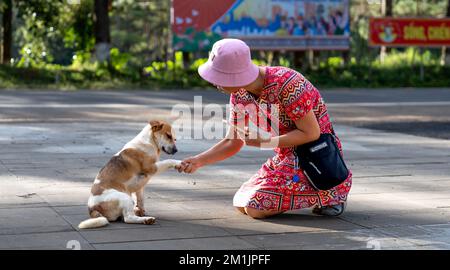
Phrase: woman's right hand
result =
(190, 165)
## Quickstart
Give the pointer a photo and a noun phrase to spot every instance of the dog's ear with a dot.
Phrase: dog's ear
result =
(156, 125)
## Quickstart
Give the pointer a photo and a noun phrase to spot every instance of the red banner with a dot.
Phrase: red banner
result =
(397, 32)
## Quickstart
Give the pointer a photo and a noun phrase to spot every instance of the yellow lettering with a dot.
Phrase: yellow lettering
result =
(414, 32)
(439, 32)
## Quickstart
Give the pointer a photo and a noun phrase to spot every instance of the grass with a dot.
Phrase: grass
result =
(351, 76)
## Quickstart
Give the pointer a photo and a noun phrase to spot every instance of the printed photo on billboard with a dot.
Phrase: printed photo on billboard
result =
(264, 24)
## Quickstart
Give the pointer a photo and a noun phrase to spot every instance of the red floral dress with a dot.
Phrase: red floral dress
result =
(275, 186)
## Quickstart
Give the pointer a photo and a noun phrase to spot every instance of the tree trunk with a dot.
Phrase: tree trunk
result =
(7, 31)
(299, 59)
(448, 8)
(101, 30)
(388, 12)
(186, 59)
(275, 61)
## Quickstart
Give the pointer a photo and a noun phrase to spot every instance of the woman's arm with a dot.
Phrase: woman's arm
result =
(224, 149)
(308, 130)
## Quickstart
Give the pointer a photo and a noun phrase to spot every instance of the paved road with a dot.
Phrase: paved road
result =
(54, 143)
(424, 112)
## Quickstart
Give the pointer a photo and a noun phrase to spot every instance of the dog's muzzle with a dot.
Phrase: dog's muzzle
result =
(170, 150)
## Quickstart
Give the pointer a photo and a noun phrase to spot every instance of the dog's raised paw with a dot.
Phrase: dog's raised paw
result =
(174, 163)
(149, 221)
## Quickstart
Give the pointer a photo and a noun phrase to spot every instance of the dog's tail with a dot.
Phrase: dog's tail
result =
(96, 222)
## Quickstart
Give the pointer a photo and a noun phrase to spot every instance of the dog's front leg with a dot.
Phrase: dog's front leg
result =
(139, 210)
(162, 166)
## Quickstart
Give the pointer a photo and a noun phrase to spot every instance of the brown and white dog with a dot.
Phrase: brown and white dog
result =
(128, 172)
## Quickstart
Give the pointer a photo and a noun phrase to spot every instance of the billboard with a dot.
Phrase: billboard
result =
(409, 32)
(263, 24)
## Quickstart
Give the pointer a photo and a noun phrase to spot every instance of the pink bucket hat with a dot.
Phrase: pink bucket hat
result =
(229, 64)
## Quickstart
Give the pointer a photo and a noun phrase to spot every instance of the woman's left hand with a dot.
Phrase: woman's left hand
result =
(252, 139)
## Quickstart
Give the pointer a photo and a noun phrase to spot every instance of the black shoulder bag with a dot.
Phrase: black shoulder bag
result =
(322, 162)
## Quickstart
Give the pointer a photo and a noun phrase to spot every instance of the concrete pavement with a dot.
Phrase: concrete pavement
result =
(53, 144)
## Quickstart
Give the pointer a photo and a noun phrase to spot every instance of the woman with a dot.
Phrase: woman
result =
(280, 185)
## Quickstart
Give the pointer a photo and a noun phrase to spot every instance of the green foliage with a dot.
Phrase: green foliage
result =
(333, 62)
(119, 60)
(54, 42)
(79, 35)
(38, 29)
(173, 74)
(400, 69)
(197, 63)
(2, 6)
(409, 56)
(141, 28)
(373, 77)
(67, 78)
(435, 8)
(118, 66)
